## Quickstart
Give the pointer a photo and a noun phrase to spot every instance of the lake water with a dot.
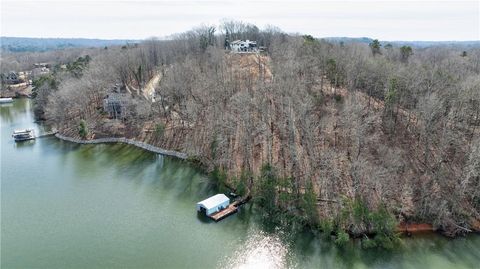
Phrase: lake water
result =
(115, 206)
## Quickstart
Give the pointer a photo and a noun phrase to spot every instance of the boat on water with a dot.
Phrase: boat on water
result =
(22, 135)
(6, 100)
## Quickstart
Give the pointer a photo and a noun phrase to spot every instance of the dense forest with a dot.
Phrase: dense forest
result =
(345, 137)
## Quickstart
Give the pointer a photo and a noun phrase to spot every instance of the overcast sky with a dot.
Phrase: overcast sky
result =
(130, 19)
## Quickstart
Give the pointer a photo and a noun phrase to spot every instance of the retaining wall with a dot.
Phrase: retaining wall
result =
(124, 140)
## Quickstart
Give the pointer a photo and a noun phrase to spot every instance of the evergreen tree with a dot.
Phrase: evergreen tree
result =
(227, 40)
(266, 193)
(309, 204)
(375, 47)
(406, 52)
(82, 129)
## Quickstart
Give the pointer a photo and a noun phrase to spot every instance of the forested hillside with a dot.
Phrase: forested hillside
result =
(343, 136)
(22, 61)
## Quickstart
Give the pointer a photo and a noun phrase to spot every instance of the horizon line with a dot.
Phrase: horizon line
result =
(293, 34)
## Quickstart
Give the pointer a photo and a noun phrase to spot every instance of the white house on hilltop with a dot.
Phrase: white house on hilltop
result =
(244, 46)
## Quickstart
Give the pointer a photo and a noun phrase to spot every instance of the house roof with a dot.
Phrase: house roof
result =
(214, 201)
(243, 42)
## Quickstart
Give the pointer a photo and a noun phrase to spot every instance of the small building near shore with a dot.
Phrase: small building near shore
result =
(40, 71)
(213, 204)
(115, 103)
(12, 78)
(40, 65)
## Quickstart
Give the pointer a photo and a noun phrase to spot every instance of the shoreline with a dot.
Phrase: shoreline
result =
(407, 229)
(124, 140)
(21, 92)
(402, 228)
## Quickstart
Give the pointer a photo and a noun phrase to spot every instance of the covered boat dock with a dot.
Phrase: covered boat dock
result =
(217, 207)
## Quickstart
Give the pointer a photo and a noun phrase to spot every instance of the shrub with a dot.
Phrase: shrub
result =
(266, 191)
(338, 98)
(386, 241)
(369, 243)
(342, 238)
(308, 203)
(379, 222)
(326, 226)
(82, 129)
(159, 129)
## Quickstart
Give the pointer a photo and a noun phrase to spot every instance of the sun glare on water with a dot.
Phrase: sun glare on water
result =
(259, 251)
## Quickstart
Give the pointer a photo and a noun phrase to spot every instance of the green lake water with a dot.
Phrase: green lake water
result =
(115, 206)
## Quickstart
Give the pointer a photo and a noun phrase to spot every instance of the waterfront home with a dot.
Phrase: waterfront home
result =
(115, 105)
(12, 78)
(213, 204)
(115, 102)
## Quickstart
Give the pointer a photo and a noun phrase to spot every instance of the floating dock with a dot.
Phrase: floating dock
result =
(29, 134)
(218, 206)
(6, 100)
(23, 135)
(231, 209)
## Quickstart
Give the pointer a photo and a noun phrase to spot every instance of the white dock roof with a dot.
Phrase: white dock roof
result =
(214, 201)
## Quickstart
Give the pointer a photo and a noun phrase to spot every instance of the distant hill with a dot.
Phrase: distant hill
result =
(424, 44)
(421, 44)
(348, 39)
(28, 44)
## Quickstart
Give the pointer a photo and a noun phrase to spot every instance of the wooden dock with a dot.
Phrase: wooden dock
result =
(231, 209)
(46, 134)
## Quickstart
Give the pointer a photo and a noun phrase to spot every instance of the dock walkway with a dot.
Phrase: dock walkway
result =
(231, 209)
(46, 134)
(124, 140)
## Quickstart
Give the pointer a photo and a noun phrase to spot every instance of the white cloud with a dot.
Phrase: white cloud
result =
(386, 20)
